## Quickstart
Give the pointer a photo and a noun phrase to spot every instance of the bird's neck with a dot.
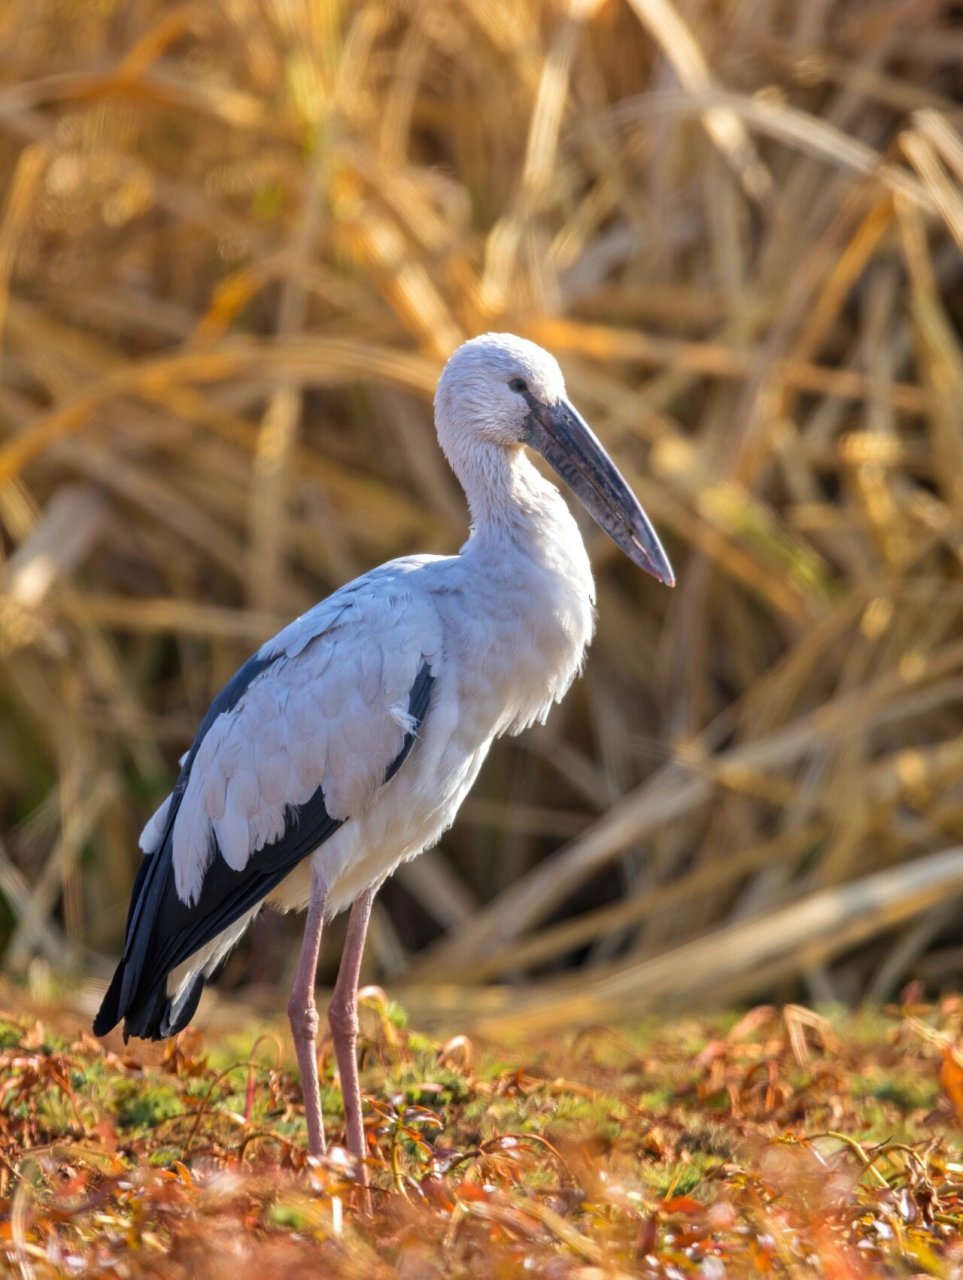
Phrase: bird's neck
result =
(511, 503)
(531, 596)
(502, 488)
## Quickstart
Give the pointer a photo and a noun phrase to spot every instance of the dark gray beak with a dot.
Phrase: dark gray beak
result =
(567, 443)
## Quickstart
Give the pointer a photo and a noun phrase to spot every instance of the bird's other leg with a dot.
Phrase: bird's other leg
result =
(304, 1016)
(343, 1017)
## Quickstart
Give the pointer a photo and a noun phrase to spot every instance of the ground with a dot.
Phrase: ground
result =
(772, 1142)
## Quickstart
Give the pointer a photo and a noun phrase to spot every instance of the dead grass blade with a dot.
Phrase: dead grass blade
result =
(675, 791)
(738, 961)
(724, 126)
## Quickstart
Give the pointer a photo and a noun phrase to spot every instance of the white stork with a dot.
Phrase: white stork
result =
(346, 744)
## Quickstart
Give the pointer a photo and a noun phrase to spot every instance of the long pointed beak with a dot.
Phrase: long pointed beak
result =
(570, 447)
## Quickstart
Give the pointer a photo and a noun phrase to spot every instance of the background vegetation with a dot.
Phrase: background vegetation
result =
(237, 240)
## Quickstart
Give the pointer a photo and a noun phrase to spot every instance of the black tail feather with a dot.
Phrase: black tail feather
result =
(152, 1017)
(109, 1013)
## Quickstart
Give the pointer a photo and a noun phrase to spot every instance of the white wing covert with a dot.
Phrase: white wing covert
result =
(327, 712)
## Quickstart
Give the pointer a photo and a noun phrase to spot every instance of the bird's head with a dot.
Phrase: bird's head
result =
(501, 390)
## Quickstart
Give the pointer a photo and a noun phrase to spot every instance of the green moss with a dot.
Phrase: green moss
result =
(708, 1139)
(332, 1103)
(396, 1015)
(418, 1043)
(56, 1114)
(678, 1180)
(142, 1104)
(90, 1079)
(288, 1216)
(907, 1093)
(10, 1034)
(164, 1157)
(657, 1099)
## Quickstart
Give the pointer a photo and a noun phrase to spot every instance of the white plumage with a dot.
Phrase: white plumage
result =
(348, 742)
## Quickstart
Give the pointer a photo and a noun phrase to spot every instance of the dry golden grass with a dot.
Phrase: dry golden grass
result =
(236, 243)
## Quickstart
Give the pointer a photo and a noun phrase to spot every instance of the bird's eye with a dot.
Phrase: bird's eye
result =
(518, 384)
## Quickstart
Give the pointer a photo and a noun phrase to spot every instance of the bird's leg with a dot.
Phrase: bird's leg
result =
(343, 1017)
(304, 1016)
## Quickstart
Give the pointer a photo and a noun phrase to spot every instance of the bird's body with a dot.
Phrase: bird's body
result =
(348, 742)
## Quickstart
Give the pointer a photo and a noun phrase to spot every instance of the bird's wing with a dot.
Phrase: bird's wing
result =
(299, 741)
(328, 712)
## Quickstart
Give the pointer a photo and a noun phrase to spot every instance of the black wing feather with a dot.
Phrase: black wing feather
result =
(417, 709)
(145, 892)
(163, 931)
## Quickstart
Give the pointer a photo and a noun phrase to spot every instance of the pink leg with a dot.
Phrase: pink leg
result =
(343, 1017)
(304, 1017)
